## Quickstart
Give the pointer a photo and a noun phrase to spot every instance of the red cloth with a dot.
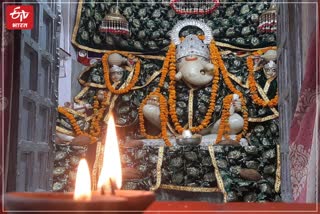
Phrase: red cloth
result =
(302, 129)
(163, 207)
(198, 207)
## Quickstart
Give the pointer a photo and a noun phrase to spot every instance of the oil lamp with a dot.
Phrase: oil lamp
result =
(108, 198)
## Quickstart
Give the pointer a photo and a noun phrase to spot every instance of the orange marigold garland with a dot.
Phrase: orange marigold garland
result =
(264, 50)
(98, 112)
(74, 124)
(170, 66)
(253, 89)
(245, 116)
(229, 84)
(165, 69)
(163, 118)
(224, 72)
(162, 99)
(134, 80)
(224, 127)
(172, 95)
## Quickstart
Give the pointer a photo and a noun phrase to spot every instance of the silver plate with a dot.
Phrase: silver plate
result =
(194, 140)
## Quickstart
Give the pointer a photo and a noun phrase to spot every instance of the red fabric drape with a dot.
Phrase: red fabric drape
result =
(303, 135)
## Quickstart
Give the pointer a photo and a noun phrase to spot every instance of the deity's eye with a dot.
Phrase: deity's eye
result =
(203, 72)
(204, 59)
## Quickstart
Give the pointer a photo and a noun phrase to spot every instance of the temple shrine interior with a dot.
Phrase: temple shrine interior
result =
(209, 100)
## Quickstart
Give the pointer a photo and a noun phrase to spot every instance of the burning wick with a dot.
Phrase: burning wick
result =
(112, 185)
(112, 188)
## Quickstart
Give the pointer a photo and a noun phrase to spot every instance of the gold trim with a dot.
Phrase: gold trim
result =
(76, 25)
(226, 45)
(74, 112)
(265, 97)
(186, 126)
(113, 100)
(88, 118)
(243, 55)
(262, 119)
(82, 47)
(225, 52)
(190, 108)
(109, 94)
(261, 92)
(153, 76)
(81, 81)
(97, 164)
(159, 165)
(237, 80)
(64, 131)
(267, 85)
(171, 129)
(162, 58)
(189, 189)
(115, 97)
(77, 98)
(278, 171)
(217, 173)
(95, 85)
(106, 118)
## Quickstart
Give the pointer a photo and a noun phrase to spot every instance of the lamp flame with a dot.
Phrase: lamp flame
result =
(111, 169)
(83, 182)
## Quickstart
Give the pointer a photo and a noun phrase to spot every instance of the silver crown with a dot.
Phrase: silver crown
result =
(116, 68)
(191, 22)
(192, 45)
(270, 64)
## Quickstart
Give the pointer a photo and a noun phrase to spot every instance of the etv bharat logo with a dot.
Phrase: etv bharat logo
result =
(19, 17)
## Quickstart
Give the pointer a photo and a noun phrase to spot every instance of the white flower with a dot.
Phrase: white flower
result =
(186, 134)
(235, 97)
(244, 142)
